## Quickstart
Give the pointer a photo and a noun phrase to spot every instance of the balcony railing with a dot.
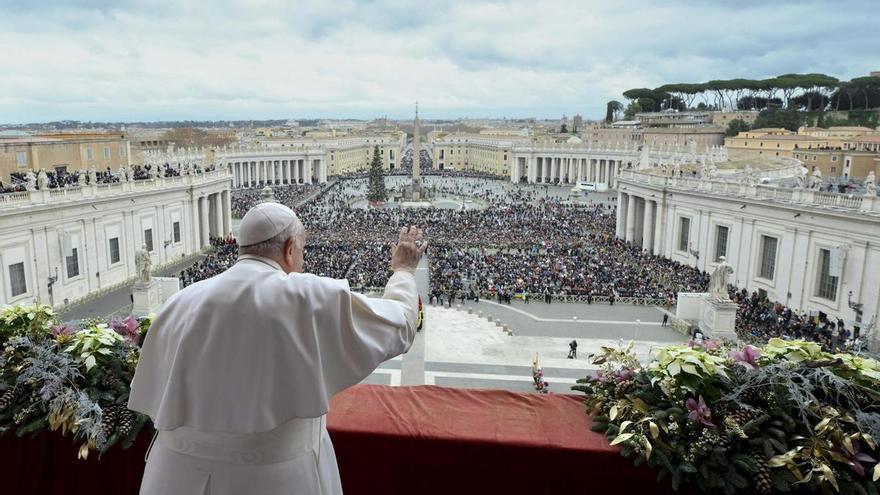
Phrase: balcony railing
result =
(735, 186)
(45, 196)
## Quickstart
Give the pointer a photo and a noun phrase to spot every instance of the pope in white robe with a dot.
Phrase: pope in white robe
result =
(236, 371)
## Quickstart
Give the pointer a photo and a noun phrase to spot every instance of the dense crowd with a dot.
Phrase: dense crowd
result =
(62, 178)
(759, 319)
(526, 243)
(289, 195)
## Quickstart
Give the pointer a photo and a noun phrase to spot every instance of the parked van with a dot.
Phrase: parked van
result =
(592, 186)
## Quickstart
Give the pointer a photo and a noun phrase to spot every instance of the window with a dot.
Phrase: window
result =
(175, 229)
(72, 263)
(684, 232)
(21, 157)
(114, 250)
(17, 281)
(827, 286)
(121, 150)
(815, 157)
(768, 257)
(720, 241)
(833, 169)
(834, 158)
(148, 239)
(89, 153)
(106, 152)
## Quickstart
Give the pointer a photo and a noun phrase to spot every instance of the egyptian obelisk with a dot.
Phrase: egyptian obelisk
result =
(417, 147)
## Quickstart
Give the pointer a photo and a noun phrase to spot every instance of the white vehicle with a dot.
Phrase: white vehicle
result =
(592, 186)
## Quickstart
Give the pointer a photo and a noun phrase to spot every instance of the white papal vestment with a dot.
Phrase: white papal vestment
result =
(236, 373)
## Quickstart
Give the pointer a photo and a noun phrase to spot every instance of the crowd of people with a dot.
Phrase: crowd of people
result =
(289, 195)
(223, 254)
(527, 242)
(759, 319)
(61, 178)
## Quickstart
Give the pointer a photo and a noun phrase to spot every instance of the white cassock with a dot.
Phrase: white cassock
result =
(236, 373)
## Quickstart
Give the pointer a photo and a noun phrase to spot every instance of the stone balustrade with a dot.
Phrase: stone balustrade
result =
(95, 191)
(740, 189)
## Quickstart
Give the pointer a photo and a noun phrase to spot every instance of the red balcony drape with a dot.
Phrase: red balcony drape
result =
(393, 440)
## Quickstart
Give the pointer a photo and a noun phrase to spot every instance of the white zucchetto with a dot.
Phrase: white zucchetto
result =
(263, 222)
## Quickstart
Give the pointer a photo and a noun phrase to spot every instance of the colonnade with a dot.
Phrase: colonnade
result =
(212, 213)
(566, 170)
(277, 172)
(639, 221)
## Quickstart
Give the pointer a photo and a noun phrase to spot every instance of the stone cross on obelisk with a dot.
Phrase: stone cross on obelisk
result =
(417, 147)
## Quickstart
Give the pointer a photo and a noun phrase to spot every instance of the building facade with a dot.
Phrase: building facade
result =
(68, 152)
(845, 152)
(60, 245)
(810, 250)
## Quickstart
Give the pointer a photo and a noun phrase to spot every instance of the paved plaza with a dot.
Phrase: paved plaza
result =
(460, 347)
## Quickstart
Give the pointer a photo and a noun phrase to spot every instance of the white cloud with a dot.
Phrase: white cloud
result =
(102, 60)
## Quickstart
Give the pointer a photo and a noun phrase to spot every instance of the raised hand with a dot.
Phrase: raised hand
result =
(408, 250)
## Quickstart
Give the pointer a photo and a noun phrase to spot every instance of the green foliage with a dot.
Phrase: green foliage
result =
(631, 110)
(802, 421)
(774, 117)
(735, 127)
(376, 189)
(69, 380)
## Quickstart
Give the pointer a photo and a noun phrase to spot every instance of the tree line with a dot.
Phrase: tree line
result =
(805, 92)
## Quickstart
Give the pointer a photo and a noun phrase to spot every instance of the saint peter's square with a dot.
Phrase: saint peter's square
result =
(485, 247)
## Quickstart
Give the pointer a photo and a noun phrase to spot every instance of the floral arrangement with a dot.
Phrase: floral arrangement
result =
(69, 379)
(783, 418)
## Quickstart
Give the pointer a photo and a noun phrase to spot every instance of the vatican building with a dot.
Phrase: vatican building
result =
(262, 248)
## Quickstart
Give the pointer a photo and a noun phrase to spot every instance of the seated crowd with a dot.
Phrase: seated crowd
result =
(523, 244)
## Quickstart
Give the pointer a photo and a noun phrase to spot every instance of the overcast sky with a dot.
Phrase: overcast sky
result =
(180, 59)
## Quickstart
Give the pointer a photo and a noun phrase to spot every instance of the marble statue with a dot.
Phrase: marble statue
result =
(144, 263)
(816, 179)
(93, 176)
(123, 177)
(720, 279)
(871, 185)
(801, 177)
(31, 181)
(81, 179)
(43, 179)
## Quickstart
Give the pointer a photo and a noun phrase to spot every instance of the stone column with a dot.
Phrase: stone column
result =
(227, 212)
(631, 218)
(648, 227)
(203, 223)
(620, 227)
(658, 228)
(219, 211)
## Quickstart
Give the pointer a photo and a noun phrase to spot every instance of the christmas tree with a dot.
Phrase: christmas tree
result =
(376, 192)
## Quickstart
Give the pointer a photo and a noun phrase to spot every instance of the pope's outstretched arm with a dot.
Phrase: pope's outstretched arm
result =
(373, 330)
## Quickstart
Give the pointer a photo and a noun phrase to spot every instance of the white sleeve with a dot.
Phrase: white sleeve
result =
(370, 331)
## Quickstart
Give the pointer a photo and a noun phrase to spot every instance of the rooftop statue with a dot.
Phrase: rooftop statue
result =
(871, 185)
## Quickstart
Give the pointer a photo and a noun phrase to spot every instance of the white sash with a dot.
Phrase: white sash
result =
(292, 439)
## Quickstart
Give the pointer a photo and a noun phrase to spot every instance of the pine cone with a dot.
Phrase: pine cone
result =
(125, 422)
(109, 380)
(10, 396)
(743, 416)
(752, 396)
(109, 415)
(762, 476)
